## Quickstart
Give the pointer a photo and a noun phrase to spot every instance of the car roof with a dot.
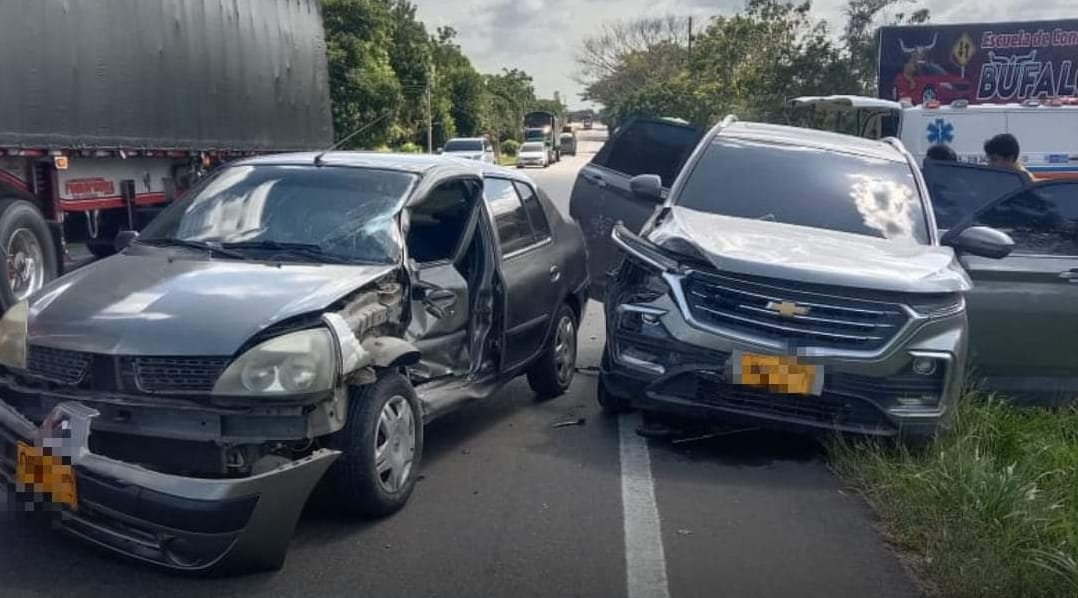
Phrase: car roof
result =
(420, 164)
(798, 136)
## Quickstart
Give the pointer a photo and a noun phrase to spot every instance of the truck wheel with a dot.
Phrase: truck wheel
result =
(27, 249)
(381, 445)
(553, 370)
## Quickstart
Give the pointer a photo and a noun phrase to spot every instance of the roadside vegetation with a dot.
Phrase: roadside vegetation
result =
(383, 66)
(990, 510)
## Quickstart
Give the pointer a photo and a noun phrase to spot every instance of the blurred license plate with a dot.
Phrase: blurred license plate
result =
(780, 374)
(45, 474)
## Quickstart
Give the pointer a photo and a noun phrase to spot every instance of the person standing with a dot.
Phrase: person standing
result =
(941, 152)
(1003, 152)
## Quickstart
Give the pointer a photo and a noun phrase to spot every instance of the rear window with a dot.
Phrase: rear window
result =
(463, 145)
(808, 187)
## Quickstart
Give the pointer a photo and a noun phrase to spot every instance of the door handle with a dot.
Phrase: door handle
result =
(596, 180)
(555, 274)
(1070, 275)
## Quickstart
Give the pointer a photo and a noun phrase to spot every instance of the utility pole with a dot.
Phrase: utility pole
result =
(430, 116)
(690, 39)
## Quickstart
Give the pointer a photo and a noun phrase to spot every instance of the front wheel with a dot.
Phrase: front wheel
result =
(28, 252)
(610, 403)
(552, 373)
(381, 445)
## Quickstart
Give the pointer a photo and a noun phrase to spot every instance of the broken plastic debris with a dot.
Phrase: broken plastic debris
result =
(580, 421)
(684, 532)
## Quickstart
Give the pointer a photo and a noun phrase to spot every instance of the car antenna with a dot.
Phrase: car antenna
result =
(318, 158)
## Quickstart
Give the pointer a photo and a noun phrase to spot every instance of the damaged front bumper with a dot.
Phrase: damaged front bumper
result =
(662, 357)
(176, 522)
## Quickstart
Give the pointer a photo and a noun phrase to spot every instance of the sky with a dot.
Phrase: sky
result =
(542, 36)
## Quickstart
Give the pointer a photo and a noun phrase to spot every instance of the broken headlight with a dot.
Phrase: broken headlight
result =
(296, 363)
(13, 336)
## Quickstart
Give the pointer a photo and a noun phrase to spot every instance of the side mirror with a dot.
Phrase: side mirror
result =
(983, 241)
(123, 239)
(648, 187)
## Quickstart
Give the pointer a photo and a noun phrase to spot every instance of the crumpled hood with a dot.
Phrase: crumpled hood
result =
(142, 304)
(812, 255)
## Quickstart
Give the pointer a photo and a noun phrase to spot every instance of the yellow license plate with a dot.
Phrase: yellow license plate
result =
(777, 373)
(38, 472)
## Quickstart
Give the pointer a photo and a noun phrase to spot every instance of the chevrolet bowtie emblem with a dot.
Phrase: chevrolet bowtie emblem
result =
(788, 309)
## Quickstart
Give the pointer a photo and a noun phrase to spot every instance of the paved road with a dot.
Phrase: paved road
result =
(510, 506)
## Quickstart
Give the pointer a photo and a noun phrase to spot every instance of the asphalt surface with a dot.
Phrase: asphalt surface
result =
(510, 506)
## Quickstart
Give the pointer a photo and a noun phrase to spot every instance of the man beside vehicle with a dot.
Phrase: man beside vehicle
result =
(1003, 152)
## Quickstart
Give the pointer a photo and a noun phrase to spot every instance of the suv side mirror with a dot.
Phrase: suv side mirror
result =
(123, 239)
(983, 241)
(648, 187)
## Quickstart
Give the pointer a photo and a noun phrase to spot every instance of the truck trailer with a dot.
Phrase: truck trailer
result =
(543, 126)
(112, 109)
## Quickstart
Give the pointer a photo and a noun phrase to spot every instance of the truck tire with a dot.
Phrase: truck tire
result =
(385, 418)
(27, 249)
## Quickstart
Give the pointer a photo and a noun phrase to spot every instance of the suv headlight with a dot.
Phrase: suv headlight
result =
(13, 336)
(296, 363)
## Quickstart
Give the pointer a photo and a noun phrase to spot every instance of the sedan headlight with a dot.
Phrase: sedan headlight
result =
(297, 363)
(13, 336)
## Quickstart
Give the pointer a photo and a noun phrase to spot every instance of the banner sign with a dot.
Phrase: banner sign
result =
(982, 63)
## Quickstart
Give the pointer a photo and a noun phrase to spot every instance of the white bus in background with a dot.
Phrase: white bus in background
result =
(1047, 130)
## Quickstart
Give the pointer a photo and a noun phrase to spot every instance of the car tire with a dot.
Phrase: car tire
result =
(25, 239)
(610, 403)
(110, 223)
(358, 487)
(552, 372)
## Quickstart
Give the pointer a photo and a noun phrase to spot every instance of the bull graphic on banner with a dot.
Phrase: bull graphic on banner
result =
(981, 63)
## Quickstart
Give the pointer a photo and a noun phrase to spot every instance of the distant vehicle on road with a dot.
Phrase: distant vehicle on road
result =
(567, 141)
(293, 316)
(533, 153)
(543, 126)
(471, 148)
(96, 137)
(587, 124)
(821, 299)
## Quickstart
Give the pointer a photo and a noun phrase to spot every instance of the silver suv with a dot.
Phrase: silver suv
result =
(789, 276)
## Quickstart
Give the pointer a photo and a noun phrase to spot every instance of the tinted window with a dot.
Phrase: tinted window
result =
(809, 187)
(1041, 220)
(347, 212)
(649, 148)
(437, 224)
(958, 190)
(510, 219)
(930, 68)
(540, 227)
(463, 145)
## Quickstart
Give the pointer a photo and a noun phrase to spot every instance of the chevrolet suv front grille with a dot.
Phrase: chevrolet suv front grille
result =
(797, 317)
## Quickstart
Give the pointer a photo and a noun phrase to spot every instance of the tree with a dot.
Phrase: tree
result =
(364, 88)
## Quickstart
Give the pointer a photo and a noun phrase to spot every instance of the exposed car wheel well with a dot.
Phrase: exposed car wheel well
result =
(574, 304)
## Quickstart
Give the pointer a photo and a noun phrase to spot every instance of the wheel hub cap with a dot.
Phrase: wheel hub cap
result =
(394, 448)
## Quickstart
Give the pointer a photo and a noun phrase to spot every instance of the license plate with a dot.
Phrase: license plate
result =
(45, 474)
(780, 374)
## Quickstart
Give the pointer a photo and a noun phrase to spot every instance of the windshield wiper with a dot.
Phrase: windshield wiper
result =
(307, 250)
(189, 244)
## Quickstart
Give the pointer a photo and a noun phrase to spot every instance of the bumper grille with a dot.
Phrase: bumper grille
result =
(799, 318)
(827, 409)
(57, 365)
(178, 374)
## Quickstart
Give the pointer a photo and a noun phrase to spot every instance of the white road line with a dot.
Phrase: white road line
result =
(645, 564)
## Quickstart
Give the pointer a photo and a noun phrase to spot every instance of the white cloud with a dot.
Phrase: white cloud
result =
(542, 36)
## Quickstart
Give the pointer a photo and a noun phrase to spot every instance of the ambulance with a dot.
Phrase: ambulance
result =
(1046, 129)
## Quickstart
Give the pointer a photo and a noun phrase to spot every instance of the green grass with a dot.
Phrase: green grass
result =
(989, 510)
(505, 160)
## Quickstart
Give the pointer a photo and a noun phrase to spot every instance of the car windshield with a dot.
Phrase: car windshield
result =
(347, 214)
(463, 145)
(532, 147)
(808, 187)
(931, 68)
